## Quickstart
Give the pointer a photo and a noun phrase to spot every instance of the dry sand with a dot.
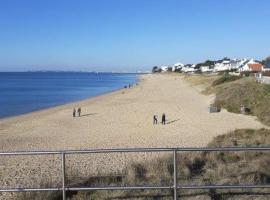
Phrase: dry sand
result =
(120, 119)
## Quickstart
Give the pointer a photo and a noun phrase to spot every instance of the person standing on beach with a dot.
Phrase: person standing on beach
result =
(155, 119)
(79, 111)
(163, 120)
(74, 112)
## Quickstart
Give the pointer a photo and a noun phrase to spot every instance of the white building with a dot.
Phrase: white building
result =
(206, 69)
(223, 66)
(189, 68)
(177, 66)
(250, 66)
(164, 68)
(228, 65)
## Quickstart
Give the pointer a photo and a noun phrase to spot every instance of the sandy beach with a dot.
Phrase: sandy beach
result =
(119, 119)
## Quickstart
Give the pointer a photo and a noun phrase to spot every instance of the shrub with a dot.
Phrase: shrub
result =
(247, 92)
(225, 78)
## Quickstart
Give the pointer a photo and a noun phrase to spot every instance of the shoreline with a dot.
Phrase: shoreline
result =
(69, 104)
(125, 113)
(120, 119)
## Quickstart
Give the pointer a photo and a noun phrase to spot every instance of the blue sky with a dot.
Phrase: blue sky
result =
(106, 35)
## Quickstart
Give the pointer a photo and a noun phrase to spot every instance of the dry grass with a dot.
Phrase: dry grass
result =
(245, 92)
(198, 79)
(232, 92)
(40, 195)
(225, 79)
(197, 169)
(203, 168)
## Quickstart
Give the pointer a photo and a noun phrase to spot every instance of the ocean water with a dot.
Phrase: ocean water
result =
(31, 91)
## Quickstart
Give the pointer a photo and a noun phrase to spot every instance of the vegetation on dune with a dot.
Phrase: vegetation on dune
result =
(233, 91)
(255, 96)
(194, 169)
(198, 79)
(224, 79)
(205, 168)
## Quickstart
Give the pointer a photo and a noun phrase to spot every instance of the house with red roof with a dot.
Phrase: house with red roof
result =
(256, 67)
(251, 66)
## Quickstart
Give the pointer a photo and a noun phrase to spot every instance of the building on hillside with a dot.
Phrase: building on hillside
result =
(193, 66)
(164, 68)
(266, 66)
(251, 66)
(206, 69)
(189, 68)
(236, 64)
(240, 68)
(222, 66)
(255, 67)
(229, 65)
(156, 69)
(177, 67)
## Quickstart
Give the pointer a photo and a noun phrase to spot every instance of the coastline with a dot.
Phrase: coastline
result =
(120, 119)
(69, 104)
(125, 109)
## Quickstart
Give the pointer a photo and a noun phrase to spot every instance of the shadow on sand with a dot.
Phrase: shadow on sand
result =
(85, 115)
(170, 122)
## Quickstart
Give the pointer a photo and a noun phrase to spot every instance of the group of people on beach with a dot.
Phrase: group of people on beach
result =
(79, 110)
(163, 119)
(129, 86)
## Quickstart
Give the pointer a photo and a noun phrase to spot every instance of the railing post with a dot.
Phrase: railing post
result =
(174, 175)
(63, 175)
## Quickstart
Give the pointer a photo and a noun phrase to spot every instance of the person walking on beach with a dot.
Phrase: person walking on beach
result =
(74, 112)
(163, 119)
(79, 111)
(155, 119)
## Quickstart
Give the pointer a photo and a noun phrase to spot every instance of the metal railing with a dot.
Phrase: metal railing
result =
(175, 187)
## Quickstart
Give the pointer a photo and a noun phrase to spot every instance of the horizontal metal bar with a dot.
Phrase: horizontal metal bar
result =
(127, 150)
(171, 187)
(134, 150)
(25, 153)
(120, 188)
(185, 187)
(30, 189)
(223, 187)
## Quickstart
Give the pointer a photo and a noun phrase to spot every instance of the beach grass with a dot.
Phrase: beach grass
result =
(233, 91)
(203, 168)
(247, 92)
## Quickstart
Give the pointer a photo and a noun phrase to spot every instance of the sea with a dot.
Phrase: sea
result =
(24, 92)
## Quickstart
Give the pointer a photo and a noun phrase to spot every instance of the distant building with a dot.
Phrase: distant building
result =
(255, 67)
(266, 66)
(189, 68)
(206, 69)
(156, 69)
(164, 68)
(225, 65)
(177, 67)
(251, 66)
